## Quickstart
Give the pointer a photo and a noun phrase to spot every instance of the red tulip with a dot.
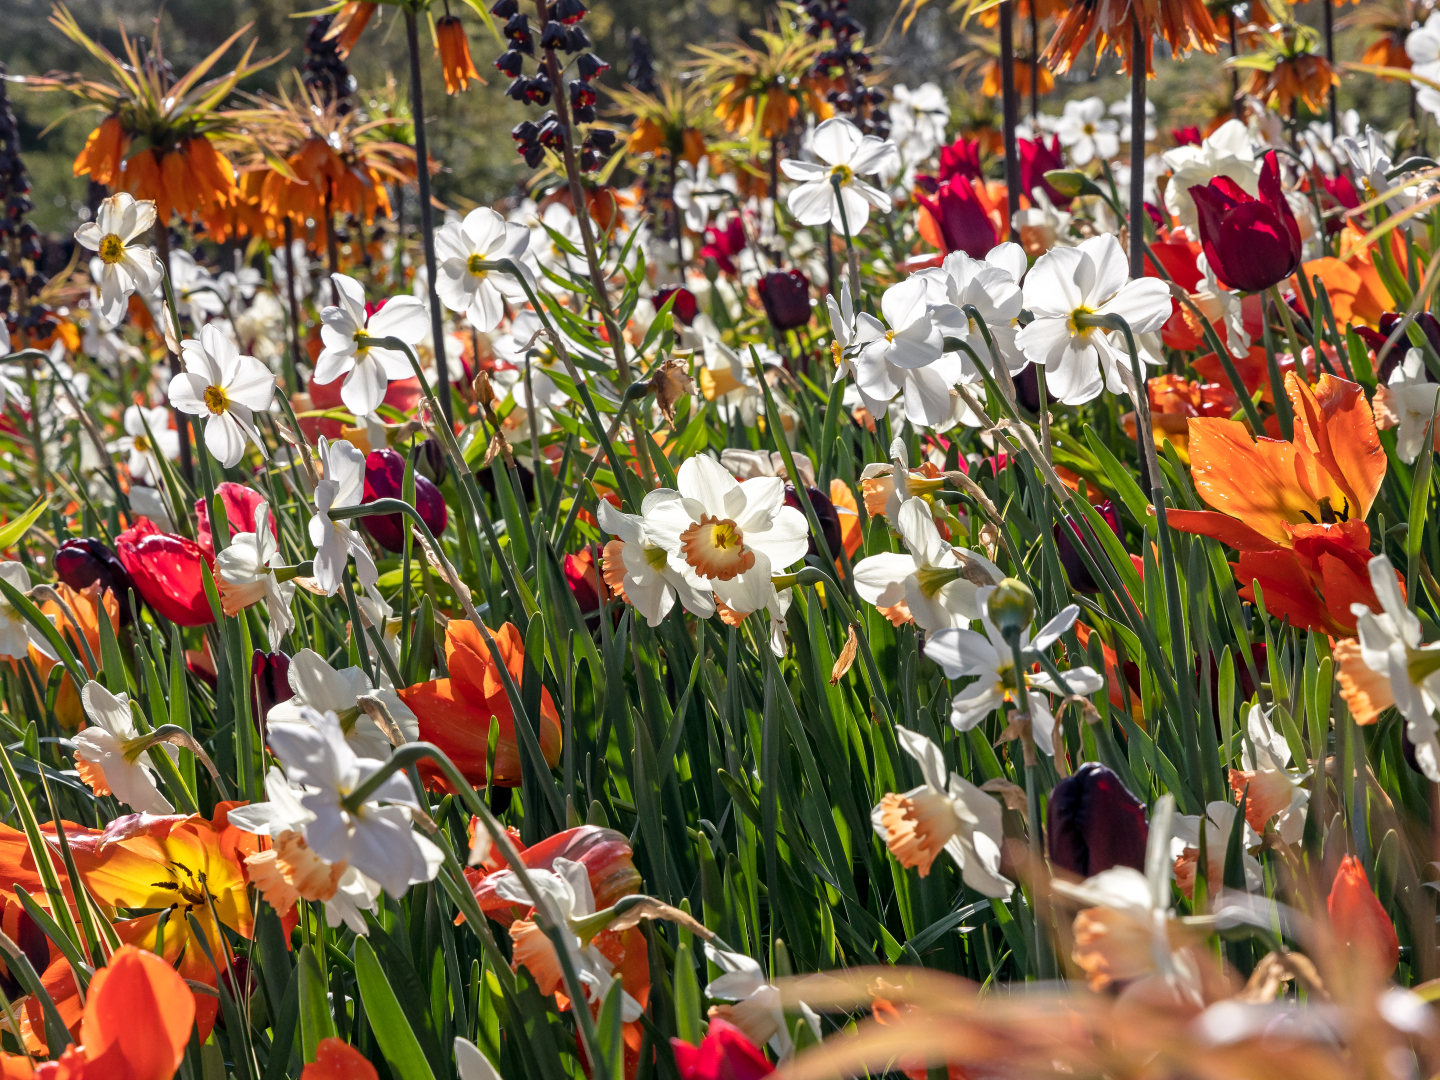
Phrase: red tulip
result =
(583, 579)
(723, 245)
(786, 296)
(606, 855)
(963, 223)
(1250, 243)
(1036, 159)
(684, 308)
(166, 570)
(240, 503)
(1359, 920)
(402, 394)
(385, 479)
(724, 1054)
(961, 159)
(1186, 136)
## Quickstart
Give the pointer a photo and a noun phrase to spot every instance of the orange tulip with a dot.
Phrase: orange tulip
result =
(455, 713)
(1261, 488)
(103, 153)
(1359, 920)
(851, 532)
(336, 1059)
(1315, 580)
(85, 605)
(455, 59)
(606, 855)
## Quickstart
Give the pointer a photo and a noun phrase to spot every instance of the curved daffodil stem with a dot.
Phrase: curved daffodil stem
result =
(1039, 875)
(182, 421)
(852, 257)
(413, 754)
(523, 725)
(1001, 370)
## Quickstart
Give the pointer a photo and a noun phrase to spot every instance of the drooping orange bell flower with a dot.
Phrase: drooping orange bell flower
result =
(455, 713)
(1260, 488)
(1184, 24)
(176, 866)
(336, 1059)
(455, 59)
(104, 152)
(1025, 74)
(349, 24)
(1358, 919)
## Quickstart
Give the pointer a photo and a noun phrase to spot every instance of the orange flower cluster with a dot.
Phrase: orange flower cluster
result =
(1184, 24)
(455, 60)
(323, 180)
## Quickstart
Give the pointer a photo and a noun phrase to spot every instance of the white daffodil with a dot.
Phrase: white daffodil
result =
(471, 1063)
(1271, 790)
(732, 535)
(197, 293)
(141, 445)
(1407, 401)
(462, 284)
(227, 389)
(290, 870)
(1218, 822)
(908, 360)
(842, 325)
(342, 484)
(16, 633)
(953, 816)
(347, 333)
(938, 583)
(556, 242)
(567, 898)
(1225, 152)
(641, 570)
(126, 267)
(1043, 225)
(247, 576)
(377, 840)
(1090, 280)
(1221, 306)
(1086, 132)
(101, 755)
(757, 1009)
(320, 688)
(886, 484)
(964, 653)
(992, 287)
(730, 384)
(1391, 647)
(847, 155)
(698, 194)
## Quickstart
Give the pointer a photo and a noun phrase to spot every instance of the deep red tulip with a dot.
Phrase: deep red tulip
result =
(1250, 243)
(269, 683)
(786, 296)
(723, 245)
(166, 571)
(1069, 537)
(240, 503)
(1094, 823)
(684, 308)
(1359, 920)
(963, 223)
(724, 1054)
(583, 578)
(961, 159)
(81, 562)
(384, 479)
(1187, 136)
(1036, 159)
(825, 513)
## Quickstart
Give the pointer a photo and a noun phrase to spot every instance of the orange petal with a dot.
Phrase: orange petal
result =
(1230, 531)
(141, 1004)
(338, 1060)
(1339, 420)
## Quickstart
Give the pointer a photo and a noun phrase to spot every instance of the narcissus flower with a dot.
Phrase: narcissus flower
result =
(376, 839)
(315, 685)
(639, 570)
(239, 504)
(227, 389)
(347, 334)
(606, 855)
(953, 816)
(147, 434)
(847, 155)
(454, 713)
(128, 267)
(17, 635)
(1407, 401)
(905, 359)
(1251, 243)
(1068, 286)
(939, 584)
(166, 570)
(246, 575)
(342, 484)
(105, 760)
(757, 1010)
(455, 59)
(462, 284)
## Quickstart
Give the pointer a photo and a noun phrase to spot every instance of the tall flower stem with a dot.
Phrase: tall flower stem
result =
(1236, 109)
(1011, 107)
(292, 368)
(1034, 63)
(182, 422)
(577, 199)
(1329, 10)
(852, 257)
(1138, 66)
(427, 225)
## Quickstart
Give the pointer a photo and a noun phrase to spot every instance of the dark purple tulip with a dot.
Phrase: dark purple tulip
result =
(269, 683)
(81, 562)
(1027, 388)
(430, 462)
(33, 943)
(824, 511)
(1069, 538)
(384, 479)
(1095, 824)
(786, 296)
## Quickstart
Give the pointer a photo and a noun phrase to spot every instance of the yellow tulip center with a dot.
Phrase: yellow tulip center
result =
(112, 249)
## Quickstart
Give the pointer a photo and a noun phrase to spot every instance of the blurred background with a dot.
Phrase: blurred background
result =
(470, 132)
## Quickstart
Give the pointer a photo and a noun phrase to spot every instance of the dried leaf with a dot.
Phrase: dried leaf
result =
(1012, 794)
(632, 909)
(846, 657)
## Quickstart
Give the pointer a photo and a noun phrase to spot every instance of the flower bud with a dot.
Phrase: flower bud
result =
(786, 296)
(1094, 823)
(825, 513)
(1011, 607)
(684, 308)
(269, 684)
(1069, 541)
(1358, 919)
(1070, 183)
(384, 479)
(81, 562)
